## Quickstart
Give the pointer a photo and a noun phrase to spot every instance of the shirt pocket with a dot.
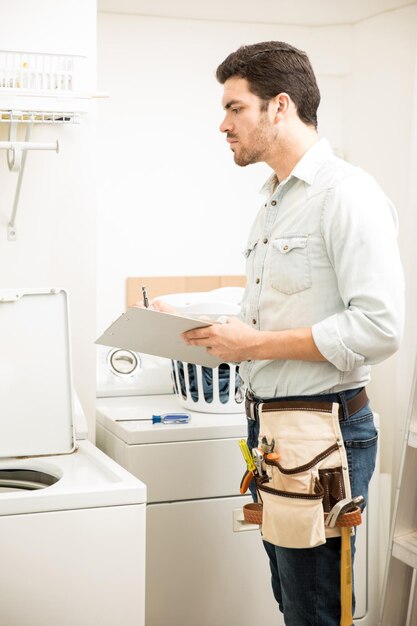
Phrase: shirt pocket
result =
(290, 264)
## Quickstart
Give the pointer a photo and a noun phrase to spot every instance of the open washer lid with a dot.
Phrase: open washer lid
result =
(36, 414)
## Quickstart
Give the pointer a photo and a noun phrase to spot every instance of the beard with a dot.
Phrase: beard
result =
(258, 144)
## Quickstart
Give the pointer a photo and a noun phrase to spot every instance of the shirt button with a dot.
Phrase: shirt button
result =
(274, 202)
(253, 321)
(285, 247)
(257, 281)
(265, 240)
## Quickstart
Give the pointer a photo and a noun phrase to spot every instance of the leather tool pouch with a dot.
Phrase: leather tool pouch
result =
(307, 478)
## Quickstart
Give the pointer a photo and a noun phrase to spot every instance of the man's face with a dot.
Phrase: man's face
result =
(249, 130)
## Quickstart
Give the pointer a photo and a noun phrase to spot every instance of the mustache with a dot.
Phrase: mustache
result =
(231, 136)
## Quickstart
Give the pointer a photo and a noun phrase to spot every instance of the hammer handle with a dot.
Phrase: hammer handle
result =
(346, 618)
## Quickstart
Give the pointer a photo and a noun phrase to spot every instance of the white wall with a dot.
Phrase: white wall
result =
(172, 201)
(55, 245)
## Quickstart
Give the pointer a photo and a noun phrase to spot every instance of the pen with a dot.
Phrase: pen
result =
(145, 297)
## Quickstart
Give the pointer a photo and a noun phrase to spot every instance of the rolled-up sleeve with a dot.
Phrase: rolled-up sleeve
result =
(359, 227)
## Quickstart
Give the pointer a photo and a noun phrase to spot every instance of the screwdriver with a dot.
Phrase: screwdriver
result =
(252, 471)
(247, 455)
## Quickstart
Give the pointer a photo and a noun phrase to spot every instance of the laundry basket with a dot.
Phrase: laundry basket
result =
(206, 389)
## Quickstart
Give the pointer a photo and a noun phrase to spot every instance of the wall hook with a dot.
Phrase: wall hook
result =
(16, 160)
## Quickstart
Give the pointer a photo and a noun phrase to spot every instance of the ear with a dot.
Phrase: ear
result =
(280, 104)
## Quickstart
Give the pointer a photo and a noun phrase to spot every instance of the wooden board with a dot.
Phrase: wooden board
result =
(163, 285)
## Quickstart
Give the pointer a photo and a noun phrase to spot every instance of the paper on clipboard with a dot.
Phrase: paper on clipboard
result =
(157, 333)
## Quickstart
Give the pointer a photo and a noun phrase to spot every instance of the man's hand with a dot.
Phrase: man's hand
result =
(232, 341)
(236, 341)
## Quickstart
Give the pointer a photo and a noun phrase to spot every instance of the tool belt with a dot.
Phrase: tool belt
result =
(303, 474)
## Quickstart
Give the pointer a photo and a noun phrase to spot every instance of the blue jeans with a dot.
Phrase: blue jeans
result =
(306, 582)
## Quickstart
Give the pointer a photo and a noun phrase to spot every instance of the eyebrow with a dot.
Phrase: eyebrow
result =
(232, 103)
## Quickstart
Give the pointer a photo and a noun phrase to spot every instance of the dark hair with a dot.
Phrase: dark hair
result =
(273, 67)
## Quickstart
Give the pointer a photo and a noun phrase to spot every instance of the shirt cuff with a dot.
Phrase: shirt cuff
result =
(330, 344)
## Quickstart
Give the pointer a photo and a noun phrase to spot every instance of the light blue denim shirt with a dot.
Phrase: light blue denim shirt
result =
(323, 253)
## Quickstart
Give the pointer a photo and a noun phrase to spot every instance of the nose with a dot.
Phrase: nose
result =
(226, 125)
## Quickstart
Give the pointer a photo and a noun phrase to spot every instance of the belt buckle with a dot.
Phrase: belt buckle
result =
(251, 407)
(248, 407)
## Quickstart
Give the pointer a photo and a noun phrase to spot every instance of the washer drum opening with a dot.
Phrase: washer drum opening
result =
(25, 480)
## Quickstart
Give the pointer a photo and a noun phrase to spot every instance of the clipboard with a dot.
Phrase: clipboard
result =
(157, 333)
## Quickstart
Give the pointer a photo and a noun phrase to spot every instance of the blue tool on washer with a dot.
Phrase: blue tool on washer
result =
(171, 418)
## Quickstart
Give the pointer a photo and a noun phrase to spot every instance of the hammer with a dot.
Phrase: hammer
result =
(341, 508)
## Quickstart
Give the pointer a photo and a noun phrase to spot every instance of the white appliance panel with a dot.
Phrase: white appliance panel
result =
(35, 374)
(72, 568)
(124, 373)
(202, 572)
(181, 470)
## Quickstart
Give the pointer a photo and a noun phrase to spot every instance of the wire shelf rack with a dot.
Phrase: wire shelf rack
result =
(37, 71)
(41, 87)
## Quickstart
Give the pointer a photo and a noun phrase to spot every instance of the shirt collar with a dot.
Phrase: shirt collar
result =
(306, 168)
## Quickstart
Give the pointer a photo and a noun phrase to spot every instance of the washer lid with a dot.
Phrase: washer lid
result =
(36, 415)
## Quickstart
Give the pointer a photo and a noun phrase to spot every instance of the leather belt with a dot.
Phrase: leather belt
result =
(346, 407)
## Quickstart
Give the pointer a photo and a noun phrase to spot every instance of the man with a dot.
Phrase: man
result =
(324, 294)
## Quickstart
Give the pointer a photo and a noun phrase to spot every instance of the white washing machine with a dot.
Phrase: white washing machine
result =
(205, 565)
(72, 521)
